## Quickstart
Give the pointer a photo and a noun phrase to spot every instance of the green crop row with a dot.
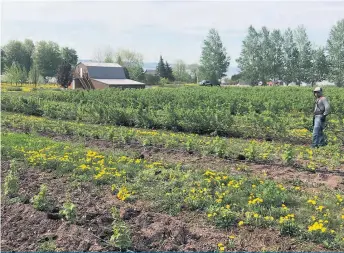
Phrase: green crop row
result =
(329, 157)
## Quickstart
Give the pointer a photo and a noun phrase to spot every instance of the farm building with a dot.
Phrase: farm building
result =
(95, 75)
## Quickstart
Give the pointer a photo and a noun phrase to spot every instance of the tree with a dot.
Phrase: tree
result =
(64, 74)
(18, 52)
(169, 72)
(180, 72)
(303, 45)
(291, 58)
(335, 47)
(133, 61)
(214, 59)
(69, 55)
(151, 79)
(161, 69)
(320, 67)
(29, 49)
(276, 39)
(194, 70)
(13, 73)
(48, 58)
(3, 60)
(250, 57)
(120, 62)
(34, 74)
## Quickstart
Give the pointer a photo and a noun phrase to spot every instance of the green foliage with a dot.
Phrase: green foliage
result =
(68, 211)
(161, 69)
(132, 62)
(34, 74)
(47, 246)
(214, 59)
(121, 234)
(11, 185)
(169, 72)
(64, 74)
(151, 79)
(180, 72)
(335, 47)
(15, 74)
(40, 201)
(48, 58)
(69, 55)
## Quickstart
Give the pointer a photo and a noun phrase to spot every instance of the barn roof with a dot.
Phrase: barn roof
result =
(101, 64)
(118, 81)
(101, 70)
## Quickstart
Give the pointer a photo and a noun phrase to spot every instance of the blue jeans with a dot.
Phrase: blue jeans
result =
(318, 132)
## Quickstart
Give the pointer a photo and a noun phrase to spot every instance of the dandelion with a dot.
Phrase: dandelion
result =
(240, 223)
(320, 208)
(231, 236)
(312, 202)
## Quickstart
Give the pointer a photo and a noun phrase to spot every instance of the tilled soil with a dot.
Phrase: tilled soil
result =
(25, 229)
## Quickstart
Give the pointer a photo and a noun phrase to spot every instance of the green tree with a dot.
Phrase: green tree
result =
(320, 66)
(3, 60)
(335, 46)
(13, 73)
(120, 62)
(276, 39)
(64, 74)
(303, 45)
(169, 72)
(291, 58)
(69, 55)
(48, 58)
(180, 72)
(29, 50)
(161, 68)
(34, 74)
(250, 57)
(133, 62)
(194, 70)
(214, 60)
(18, 52)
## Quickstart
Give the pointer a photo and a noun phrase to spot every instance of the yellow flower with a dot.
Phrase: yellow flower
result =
(228, 206)
(297, 188)
(312, 202)
(240, 223)
(255, 215)
(320, 208)
(231, 236)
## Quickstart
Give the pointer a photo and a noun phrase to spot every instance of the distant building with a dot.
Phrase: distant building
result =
(95, 75)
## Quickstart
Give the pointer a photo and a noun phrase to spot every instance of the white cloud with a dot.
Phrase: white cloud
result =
(120, 22)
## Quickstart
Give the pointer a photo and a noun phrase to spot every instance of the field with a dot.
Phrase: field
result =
(171, 169)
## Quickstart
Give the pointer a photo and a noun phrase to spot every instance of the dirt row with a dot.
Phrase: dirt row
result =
(281, 173)
(26, 229)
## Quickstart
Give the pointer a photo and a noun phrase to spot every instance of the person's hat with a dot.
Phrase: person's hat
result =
(317, 89)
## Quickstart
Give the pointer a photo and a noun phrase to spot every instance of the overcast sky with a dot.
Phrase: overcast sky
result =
(175, 29)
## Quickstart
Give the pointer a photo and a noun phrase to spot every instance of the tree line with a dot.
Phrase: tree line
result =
(288, 56)
(29, 62)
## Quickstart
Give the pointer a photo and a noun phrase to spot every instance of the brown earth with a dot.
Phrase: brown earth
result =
(25, 229)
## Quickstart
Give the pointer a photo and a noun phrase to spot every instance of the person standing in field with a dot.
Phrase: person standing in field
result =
(321, 110)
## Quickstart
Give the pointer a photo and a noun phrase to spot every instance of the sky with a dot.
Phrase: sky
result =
(173, 29)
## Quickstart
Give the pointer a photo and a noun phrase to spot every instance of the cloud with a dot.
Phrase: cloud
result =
(174, 28)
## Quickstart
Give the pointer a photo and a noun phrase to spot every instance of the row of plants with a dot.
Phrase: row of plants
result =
(329, 157)
(227, 200)
(237, 112)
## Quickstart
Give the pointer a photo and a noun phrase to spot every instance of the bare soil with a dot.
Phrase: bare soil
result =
(25, 229)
